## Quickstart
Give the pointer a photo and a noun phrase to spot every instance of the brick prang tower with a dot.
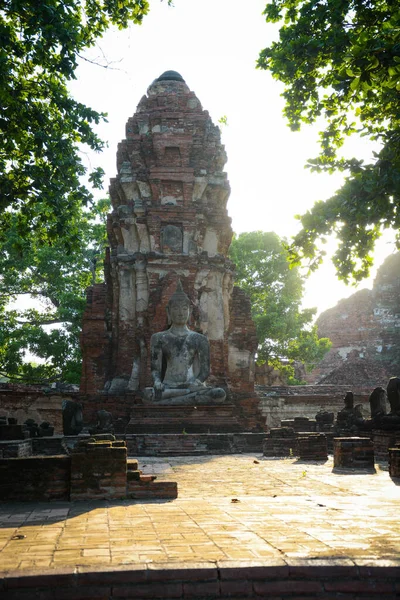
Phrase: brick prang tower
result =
(169, 221)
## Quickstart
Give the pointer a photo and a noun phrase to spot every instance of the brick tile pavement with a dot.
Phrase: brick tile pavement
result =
(238, 507)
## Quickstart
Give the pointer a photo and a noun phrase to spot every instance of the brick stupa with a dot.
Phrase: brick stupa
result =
(169, 221)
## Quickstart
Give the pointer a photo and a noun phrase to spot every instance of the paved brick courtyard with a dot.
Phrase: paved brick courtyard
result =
(239, 507)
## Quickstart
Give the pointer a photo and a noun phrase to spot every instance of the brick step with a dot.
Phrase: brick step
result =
(184, 419)
(132, 464)
(191, 444)
(148, 490)
(177, 428)
(170, 409)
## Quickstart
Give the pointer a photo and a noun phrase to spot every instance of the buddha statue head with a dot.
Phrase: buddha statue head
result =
(178, 307)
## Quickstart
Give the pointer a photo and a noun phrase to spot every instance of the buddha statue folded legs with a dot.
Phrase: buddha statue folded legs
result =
(186, 355)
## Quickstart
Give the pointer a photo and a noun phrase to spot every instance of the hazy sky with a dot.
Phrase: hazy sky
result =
(214, 45)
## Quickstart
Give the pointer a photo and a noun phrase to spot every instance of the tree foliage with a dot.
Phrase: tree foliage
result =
(41, 125)
(56, 280)
(285, 331)
(340, 61)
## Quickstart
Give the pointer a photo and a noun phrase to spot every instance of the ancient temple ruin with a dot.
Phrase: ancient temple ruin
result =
(169, 222)
(364, 330)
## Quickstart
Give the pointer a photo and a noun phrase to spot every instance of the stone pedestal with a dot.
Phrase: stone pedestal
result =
(394, 462)
(313, 446)
(281, 441)
(383, 440)
(353, 452)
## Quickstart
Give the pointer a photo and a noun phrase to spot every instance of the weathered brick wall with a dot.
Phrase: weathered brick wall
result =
(242, 343)
(29, 402)
(95, 340)
(119, 406)
(35, 478)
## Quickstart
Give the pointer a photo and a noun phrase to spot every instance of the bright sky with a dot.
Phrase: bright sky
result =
(214, 45)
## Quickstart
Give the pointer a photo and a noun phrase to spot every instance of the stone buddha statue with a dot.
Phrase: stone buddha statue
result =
(180, 360)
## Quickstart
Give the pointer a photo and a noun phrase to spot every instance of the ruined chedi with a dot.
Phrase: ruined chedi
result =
(169, 223)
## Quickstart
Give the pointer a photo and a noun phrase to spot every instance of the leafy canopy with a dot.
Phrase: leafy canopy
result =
(285, 331)
(57, 281)
(41, 125)
(340, 60)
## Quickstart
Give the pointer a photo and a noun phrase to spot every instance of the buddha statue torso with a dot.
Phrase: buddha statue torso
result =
(186, 355)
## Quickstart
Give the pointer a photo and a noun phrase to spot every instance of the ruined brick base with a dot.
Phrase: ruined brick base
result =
(313, 446)
(353, 452)
(97, 469)
(281, 441)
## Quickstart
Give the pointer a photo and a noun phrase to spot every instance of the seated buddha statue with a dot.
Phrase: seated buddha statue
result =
(185, 356)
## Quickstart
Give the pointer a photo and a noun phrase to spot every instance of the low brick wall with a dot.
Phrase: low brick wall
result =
(48, 446)
(35, 478)
(28, 402)
(15, 448)
(298, 579)
(153, 444)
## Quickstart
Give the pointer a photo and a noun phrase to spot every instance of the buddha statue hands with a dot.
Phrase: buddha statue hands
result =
(186, 355)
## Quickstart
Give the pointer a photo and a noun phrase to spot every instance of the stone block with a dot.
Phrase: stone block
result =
(152, 489)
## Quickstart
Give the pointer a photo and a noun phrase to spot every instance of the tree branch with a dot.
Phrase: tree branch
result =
(45, 322)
